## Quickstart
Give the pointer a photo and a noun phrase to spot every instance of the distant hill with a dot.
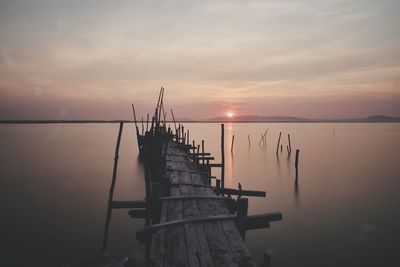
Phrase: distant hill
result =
(255, 118)
(381, 118)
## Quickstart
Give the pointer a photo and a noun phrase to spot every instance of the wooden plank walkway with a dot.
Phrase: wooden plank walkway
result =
(196, 243)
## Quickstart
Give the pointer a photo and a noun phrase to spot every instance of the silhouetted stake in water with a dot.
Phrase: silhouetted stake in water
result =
(142, 127)
(265, 137)
(137, 128)
(202, 151)
(173, 118)
(147, 122)
(222, 156)
(279, 141)
(296, 164)
(233, 140)
(290, 146)
(111, 192)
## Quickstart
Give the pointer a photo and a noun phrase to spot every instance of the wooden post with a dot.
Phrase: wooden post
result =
(134, 114)
(281, 148)
(142, 127)
(261, 140)
(147, 122)
(265, 137)
(202, 151)
(279, 140)
(290, 146)
(267, 259)
(222, 157)
(248, 137)
(183, 135)
(241, 213)
(111, 192)
(194, 147)
(218, 185)
(187, 137)
(198, 151)
(233, 140)
(296, 164)
(173, 117)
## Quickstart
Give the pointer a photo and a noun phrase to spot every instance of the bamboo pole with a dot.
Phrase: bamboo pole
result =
(111, 192)
(202, 151)
(173, 117)
(142, 127)
(296, 163)
(147, 122)
(233, 140)
(279, 140)
(222, 157)
(134, 114)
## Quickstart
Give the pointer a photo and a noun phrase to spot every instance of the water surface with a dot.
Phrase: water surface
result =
(342, 211)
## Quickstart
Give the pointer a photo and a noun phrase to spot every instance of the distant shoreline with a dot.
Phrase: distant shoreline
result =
(184, 121)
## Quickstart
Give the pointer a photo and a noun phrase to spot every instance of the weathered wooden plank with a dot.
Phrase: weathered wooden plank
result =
(198, 252)
(238, 247)
(157, 249)
(176, 254)
(217, 243)
(241, 253)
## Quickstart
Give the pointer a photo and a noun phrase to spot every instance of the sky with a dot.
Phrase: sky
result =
(90, 59)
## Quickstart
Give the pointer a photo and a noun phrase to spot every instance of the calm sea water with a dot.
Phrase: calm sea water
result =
(343, 210)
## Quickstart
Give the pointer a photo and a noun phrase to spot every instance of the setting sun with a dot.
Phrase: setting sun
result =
(229, 114)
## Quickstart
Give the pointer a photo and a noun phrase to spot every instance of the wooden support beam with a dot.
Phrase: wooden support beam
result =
(128, 204)
(232, 191)
(260, 220)
(220, 165)
(137, 213)
(193, 197)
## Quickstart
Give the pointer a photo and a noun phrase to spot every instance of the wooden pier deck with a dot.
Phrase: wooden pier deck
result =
(191, 219)
(209, 237)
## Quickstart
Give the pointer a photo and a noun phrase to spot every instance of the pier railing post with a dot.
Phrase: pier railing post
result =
(222, 156)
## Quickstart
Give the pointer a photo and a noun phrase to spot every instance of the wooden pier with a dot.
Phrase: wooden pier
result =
(191, 219)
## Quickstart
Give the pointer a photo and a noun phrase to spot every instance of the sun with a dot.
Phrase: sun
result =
(230, 114)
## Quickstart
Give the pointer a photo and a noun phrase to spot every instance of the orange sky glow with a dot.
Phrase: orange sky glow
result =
(79, 60)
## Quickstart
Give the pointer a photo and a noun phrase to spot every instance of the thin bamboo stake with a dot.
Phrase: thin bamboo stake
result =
(147, 123)
(279, 140)
(173, 117)
(233, 140)
(296, 164)
(134, 114)
(222, 157)
(202, 151)
(111, 192)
